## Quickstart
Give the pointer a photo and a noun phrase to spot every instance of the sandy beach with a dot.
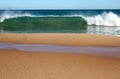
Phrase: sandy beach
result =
(23, 65)
(62, 39)
(16, 64)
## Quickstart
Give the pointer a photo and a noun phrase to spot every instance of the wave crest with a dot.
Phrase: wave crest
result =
(9, 14)
(104, 19)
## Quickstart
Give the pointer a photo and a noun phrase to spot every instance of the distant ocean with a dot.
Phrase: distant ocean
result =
(105, 22)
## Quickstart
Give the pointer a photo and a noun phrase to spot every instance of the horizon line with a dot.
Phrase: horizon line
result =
(63, 9)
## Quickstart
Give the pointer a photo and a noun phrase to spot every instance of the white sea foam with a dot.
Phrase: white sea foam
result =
(104, 19)
(9, 14)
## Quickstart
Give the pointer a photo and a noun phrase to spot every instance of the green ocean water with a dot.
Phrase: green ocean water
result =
(44, 25)
(106, 22)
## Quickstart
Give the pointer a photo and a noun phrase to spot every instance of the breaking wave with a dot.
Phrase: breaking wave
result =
(9, 14)
(104, 19)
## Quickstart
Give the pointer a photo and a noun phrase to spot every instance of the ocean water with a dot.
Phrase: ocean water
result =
(105, 22)
(100, 51)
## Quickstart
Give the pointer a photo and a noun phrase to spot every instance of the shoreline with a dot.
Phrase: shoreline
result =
(90, 44)
(17, 64)
(62, 39)
(113, 52)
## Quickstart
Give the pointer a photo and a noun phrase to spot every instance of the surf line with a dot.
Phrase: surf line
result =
(106, 51)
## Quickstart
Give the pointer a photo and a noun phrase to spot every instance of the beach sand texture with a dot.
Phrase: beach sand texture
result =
(16, 64)
(25, 65)
(62, 39)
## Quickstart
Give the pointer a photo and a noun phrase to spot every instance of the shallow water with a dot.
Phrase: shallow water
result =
(103, 51)
(105, 30)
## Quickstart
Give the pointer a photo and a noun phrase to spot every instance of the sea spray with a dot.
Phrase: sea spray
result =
(9, 14)
(104, 19)
(32, 21)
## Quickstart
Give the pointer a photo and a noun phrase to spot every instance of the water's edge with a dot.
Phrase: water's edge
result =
(104, 51)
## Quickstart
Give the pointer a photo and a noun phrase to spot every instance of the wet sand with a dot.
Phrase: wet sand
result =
(113, 52)
(19, 64)
(62, 39)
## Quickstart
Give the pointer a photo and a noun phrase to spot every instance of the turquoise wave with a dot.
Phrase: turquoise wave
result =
(44, 24)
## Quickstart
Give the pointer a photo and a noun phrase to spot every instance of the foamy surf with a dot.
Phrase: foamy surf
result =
(96, 21)
(9, 14)
(104, 19)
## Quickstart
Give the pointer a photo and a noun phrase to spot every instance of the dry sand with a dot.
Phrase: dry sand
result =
(24, 65)
(30, 65)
